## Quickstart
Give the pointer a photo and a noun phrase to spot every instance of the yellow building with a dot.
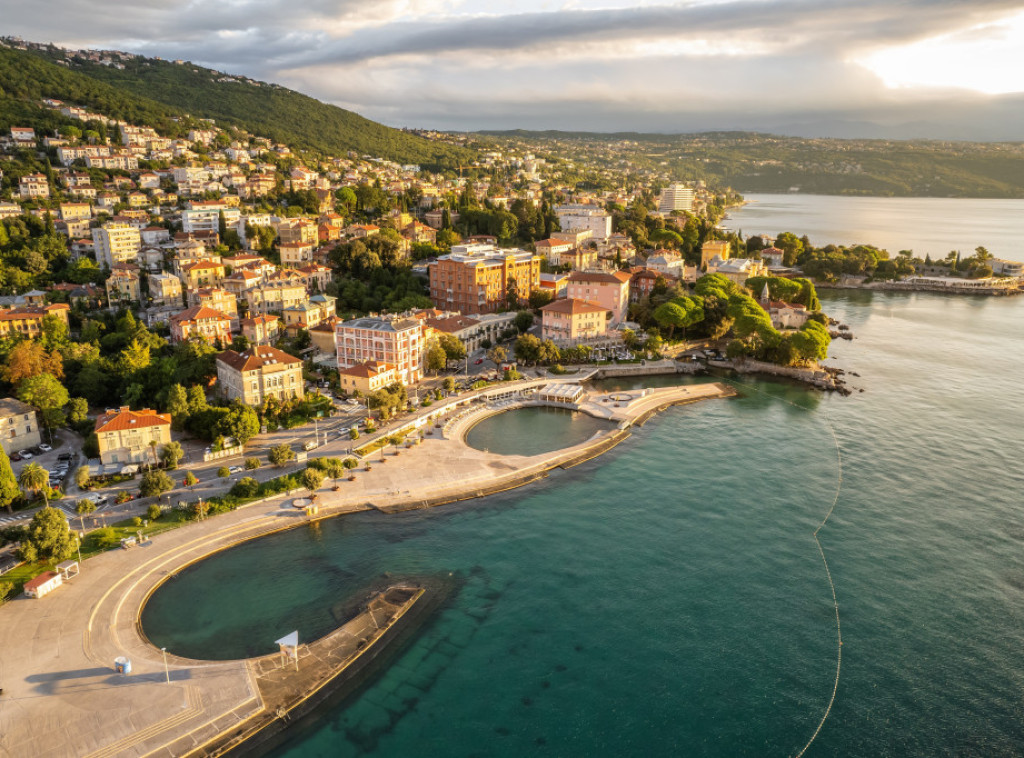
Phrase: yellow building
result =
(204, 273)
(125, 436)
(123, 284)
(712, 248)
(366, 378)
(258, 373)
(261, 330)
(27, 321)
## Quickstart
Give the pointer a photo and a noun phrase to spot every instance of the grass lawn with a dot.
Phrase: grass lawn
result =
(169, 520)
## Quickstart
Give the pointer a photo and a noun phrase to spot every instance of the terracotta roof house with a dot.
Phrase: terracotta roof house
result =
(125, 435)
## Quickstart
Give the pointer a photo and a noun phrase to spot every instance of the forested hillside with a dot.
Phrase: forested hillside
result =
(150, 91)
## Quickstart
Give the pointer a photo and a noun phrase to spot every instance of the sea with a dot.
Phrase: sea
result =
(928, 226)
(669, 598)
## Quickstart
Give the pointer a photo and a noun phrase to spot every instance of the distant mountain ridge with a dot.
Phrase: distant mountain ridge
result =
(757, 162)
(148, 90)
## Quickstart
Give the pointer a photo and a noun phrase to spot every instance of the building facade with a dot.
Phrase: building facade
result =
(116, 243)
(475, 278)
(125, 436)
(571, 321)
(19, 428)
(610, 291)
(200, 321)
(399, 342)
(259, 373)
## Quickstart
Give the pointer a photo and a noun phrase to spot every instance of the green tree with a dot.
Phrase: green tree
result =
(454, 348)
(523, 321)
(449, 384)
(29, 358)
(497, 355)
(47, 394)
(312, 479)
(437, 359)
(172, 454)
(36, 479)
(83, 477)
(281, 454)
(670, 315)
(251, 464)
(9, 491)
(153, 512)
(512, 297)
(48, 537)
(240, 422)
(190, 480)
(155, 483)
(223, 472)
(83, 508)
(78, 410)
(177, 405)
(539, 298)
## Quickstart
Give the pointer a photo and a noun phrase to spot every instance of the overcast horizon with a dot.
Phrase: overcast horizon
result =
(919, 68)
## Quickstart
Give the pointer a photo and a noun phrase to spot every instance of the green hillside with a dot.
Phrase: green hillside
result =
(149, 91)
(753, 162)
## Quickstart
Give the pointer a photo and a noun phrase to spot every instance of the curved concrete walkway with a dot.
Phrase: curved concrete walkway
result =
(61, 696)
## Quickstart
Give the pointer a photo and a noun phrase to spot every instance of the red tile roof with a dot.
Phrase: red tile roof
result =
(198, 313)
(573, 307)
(123, 418)
(256, 357)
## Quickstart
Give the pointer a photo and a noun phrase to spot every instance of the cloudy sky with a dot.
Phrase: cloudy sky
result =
(902, 68)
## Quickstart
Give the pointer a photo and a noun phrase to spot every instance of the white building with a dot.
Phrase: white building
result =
(676, 197)
(116, 243)
(205, 217)
(580, 217)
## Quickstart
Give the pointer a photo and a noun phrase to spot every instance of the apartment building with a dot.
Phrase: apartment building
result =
(165, 289)
(676, 197)
(261, 330)
(205, 217)
(610, 291)
(27, 320)
(399, 342)
(475, 278)
(116, 243)
(572, 321)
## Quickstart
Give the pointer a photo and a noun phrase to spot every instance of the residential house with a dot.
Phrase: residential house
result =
(217, 298)
(126, 436)
(123, 284)
(263, 330)
(165, 289)
(714, 249)
(259, 373)
(203, 273)
(366, 378)
(32, 186)
(308, 314)
(552, 249)
(295, 253)
(737, 270)
(200, 321)
(27, 320)
(19, 428)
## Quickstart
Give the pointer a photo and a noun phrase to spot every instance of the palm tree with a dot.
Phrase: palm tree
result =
(34, 477)
(152, 449)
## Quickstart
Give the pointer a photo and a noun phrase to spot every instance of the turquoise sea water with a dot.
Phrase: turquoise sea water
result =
(668, 598)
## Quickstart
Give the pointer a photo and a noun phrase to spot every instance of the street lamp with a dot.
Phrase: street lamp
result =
(167, 671)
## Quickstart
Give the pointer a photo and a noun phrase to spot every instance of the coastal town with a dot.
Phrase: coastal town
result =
(340, 395)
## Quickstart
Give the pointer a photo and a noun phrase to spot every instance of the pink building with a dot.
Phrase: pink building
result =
(201, 321)
(399, 342)
(610, 291)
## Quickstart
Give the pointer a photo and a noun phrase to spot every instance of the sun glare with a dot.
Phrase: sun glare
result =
(987, 59)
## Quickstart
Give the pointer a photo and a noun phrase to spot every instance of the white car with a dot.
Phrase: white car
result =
(25, 454)
(235, 469)
(45, 448)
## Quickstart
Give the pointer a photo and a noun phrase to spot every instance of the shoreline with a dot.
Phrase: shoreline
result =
(178, 706)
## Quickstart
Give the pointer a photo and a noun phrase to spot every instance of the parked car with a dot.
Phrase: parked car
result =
(25, 455)
(15, 456)
(44, 447)
(235, 469)
(65, 457)
(478, 361)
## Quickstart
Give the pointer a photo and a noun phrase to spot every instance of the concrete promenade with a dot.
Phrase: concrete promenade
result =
(61, 696)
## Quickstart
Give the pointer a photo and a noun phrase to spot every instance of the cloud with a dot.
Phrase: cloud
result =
(661, 66)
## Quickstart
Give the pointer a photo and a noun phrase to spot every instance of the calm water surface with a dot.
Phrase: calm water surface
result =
(530, 431)
(667, 599)
(925, 225)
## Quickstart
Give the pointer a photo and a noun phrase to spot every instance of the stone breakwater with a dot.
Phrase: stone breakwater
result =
(61, 695)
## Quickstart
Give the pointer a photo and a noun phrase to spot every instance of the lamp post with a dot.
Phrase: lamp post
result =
(167, 671)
